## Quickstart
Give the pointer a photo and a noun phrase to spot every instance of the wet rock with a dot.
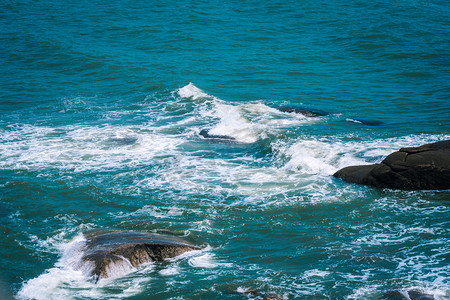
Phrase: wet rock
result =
(303, 111)
(418, 168)
(407, 295)
(117, 253)
(205, 133)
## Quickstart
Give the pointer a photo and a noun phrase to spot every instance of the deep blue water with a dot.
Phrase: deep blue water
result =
(102, 104)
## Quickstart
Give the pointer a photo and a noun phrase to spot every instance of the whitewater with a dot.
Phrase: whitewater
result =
(281, 181)
(184, 119)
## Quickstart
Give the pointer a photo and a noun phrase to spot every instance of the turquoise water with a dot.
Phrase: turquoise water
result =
(101, 106)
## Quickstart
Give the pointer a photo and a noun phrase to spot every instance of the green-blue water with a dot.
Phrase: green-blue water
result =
(101, 105)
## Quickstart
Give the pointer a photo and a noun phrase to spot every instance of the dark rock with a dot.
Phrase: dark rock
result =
(205, 133)
(303, 111)
(120, 252)
(368, 122)
(407, 295)
(418, 168)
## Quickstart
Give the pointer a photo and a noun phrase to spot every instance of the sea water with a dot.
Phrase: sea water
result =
(101, 106)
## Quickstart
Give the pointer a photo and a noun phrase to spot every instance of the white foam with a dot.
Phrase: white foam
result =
(354, 121)
(304, 165)
(263, 114)
(153, 211)
(233, 124)
(204, 261)
(191, 91)
(439, 293)
(51, 284)
(119, 267)
(51, 244)
(312, 157)
(373, 290)
(315, 273)
(242, 290)
(366, 292)
(383, 239)
(170, 271)
(326, 156)
(71, 274)
(219, 175)
(81, 148)
(207, 261)
(246, 123)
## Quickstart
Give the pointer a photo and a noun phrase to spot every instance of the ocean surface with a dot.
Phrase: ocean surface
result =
(101, 106)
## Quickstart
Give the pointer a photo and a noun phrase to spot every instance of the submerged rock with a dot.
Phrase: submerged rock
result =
(418, 168)
(205, 133)
(117, 253)
(407, 295)
(303, 111)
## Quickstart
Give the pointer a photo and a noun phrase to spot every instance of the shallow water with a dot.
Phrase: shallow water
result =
(101, 109)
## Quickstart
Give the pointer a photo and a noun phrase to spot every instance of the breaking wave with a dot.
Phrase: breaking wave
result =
(71, 273)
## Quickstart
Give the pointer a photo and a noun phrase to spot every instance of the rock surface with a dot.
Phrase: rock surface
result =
(418, 168)
(118, 253)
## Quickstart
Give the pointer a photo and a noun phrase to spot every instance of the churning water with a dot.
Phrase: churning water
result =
(102, 105)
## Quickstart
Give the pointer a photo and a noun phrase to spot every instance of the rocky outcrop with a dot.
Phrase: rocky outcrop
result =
(303, 111)
(117, 253)
(418, 168)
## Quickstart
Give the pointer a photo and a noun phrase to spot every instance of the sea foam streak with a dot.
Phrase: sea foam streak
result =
(81, 147)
